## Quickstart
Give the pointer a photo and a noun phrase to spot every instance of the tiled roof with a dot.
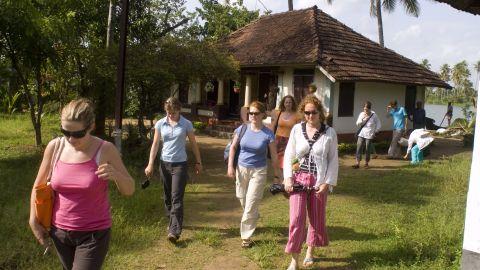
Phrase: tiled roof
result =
(471, 6)
(310, 36)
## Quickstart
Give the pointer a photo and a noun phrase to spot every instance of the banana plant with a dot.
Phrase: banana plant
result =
(9, 102)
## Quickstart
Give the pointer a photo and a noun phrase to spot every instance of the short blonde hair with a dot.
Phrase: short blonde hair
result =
(172, 104)
(260, 106)
(79, 110)
(311, 99)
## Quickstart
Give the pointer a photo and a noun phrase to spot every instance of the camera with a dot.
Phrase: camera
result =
(145, 184)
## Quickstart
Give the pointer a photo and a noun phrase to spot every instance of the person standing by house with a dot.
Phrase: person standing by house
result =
(369, 125)
(83, 165)
(418, 140)
(315, 146)
(173, 130)
(251, 170)
(418, 116)
(282, 124)
(312, 90)
(449, 113)
(400, 121)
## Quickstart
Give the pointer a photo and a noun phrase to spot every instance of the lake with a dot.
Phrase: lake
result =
(437, 112)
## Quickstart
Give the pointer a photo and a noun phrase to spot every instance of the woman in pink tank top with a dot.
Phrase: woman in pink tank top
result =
(81, 168)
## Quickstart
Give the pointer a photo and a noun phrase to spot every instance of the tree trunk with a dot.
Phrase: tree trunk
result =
(380, 23)
(290, 5)
(141, 127)
(101, 112)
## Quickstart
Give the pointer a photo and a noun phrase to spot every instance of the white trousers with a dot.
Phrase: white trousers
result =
(250, 184)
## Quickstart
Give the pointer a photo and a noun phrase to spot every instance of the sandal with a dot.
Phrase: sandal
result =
(308, 262)
(246, 243)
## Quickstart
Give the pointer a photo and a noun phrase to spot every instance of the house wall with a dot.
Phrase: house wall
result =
(323, 88)
(380, 94)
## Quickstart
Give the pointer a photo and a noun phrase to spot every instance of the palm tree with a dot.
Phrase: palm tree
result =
(477, 68)
(445, 75)
(460, 74)
(411, 7)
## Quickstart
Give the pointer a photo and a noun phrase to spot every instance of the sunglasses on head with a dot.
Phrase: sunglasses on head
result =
(254, 113)
(310, 112)
(75, 134)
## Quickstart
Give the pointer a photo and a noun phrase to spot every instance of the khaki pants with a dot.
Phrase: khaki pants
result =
(394, 151)
(250, 183)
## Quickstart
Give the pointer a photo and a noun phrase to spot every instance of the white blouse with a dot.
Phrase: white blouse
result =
(324, 152)
(421, 137)
(371, 127)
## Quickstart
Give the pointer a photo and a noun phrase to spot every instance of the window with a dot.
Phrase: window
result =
(345, 99)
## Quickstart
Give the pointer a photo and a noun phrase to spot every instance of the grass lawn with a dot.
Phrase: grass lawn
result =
(383, 218)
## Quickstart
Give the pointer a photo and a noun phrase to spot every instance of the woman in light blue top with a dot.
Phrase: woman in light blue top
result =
(251, 171)
(173, 130)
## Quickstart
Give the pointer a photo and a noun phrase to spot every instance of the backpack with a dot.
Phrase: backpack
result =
(226, 152)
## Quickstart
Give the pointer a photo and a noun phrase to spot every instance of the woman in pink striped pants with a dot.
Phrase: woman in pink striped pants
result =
(314, 145)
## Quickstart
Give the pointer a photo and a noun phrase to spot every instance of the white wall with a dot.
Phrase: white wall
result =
(380, 94)
(323, 88)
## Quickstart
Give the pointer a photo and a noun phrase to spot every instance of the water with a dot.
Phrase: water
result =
(437, 112)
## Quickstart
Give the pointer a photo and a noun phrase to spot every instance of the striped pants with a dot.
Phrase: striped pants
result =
(302, 203)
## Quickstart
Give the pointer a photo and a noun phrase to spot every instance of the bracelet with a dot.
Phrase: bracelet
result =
(199, 163)
(276, 177)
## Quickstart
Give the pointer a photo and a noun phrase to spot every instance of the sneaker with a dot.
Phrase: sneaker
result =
(355, 166)
(246, 243)
(172, 238)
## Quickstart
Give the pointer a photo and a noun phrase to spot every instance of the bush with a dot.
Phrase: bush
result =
(199, 125)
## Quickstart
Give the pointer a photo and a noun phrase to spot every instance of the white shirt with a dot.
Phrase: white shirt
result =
(421, 137)
(324, 152)
(371, 127)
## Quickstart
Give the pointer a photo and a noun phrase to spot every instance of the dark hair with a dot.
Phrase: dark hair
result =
(311, 99)
(393, 103)
(368, 104)
(419, 104)
(282, 103)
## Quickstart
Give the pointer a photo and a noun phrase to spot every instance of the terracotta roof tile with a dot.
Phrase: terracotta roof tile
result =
(310, 36)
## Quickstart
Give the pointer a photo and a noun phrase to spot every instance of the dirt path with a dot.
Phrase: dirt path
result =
(211, 205)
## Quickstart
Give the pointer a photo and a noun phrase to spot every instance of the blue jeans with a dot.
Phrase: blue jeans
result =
(417, 155)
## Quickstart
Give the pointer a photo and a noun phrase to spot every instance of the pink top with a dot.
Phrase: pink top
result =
(81, 198)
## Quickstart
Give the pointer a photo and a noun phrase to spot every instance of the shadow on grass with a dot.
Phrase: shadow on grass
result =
(337, 233)
(400, 186)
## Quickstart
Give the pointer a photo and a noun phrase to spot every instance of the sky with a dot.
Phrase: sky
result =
(440, 34)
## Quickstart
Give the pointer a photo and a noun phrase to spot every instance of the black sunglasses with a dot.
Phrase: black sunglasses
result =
(75, 134)
(310, 112)
(254, 113)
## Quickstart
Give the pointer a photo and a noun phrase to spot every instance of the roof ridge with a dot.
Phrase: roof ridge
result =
(316, 25)
(263, 17)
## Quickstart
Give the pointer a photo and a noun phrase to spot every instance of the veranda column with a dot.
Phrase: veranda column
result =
(198, 92)
(248, 90)
(220, 93)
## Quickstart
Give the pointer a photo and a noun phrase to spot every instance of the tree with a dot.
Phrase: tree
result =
(220, 20)
(411, 8)
(463, 89)
(445, 74)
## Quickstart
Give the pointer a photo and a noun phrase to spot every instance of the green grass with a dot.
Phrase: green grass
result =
(400, 218)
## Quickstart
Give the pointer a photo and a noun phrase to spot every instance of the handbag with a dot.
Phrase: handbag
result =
(360, 129)
(274, 132)
(226, 152)
(44, 192)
